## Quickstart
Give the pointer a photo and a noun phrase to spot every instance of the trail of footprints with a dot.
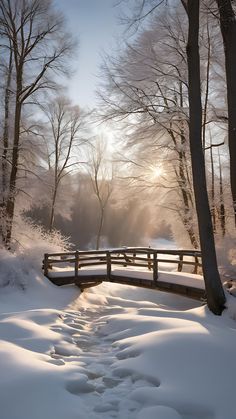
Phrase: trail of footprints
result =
(102, 386)
(105, 387)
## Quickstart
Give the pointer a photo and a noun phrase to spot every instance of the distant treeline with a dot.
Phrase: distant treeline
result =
(128, 221)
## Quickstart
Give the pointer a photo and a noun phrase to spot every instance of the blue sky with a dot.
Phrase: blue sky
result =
(96, 25)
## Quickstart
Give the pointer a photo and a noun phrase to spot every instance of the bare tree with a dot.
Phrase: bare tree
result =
(63, 138)
(215, 293)
(148, 85)
(100, 171)
(35, 36)
(214, 290)
(228, 30)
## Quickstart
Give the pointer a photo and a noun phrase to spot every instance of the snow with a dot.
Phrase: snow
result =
(113, 351)
(182, 278)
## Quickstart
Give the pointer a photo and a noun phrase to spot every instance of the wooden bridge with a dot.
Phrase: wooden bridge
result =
(142, 267)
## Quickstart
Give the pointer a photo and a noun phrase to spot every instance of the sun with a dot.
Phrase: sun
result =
(156, 171)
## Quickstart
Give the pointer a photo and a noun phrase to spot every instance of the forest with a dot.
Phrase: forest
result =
(167, 98)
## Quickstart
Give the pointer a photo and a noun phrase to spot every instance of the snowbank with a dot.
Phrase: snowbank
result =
(111, 352)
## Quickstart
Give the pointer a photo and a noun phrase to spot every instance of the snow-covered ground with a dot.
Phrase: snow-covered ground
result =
(112, 352)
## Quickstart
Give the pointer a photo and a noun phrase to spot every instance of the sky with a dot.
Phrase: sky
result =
(95, 24)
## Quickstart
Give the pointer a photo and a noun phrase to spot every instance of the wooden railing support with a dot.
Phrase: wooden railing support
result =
(155, 267)
(149, 260)
(108, 255)
(76, 263)
(180, 264)
(45, 264)
(196, 265)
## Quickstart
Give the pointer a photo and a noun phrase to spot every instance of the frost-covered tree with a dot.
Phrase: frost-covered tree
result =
(147, 87)
(63, 138)
(214, 290)
(156, 110)
(101, 173)
(35, 44)
(228, 29)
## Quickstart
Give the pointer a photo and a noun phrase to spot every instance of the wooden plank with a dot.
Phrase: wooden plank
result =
(73, 280)
(61, 254)
(130, 252)
(70, 260)
(86, 284)
(130, 257)
(91, 258)
(95, 263)
(125, 263)
(192, 292)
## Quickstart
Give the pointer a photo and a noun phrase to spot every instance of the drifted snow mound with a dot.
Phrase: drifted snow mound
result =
(162, 412)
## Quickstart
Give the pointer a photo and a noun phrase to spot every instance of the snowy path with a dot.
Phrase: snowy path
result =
(114, 352)
(104, 388)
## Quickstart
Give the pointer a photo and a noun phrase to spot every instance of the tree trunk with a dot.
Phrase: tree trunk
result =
(100, 229)
(52, 214)
(214, 289)
(5, 149)
(187, 211)
(10, 206)
(6, 130)
(228, 30)
(213, 206)
(222, 205)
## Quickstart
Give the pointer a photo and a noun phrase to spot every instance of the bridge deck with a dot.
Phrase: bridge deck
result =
(136, 266)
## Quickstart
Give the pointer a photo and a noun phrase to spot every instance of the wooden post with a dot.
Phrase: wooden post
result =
(155, 267)
(45, 264)
(76, 263)
(196, 264)
(108, 265)
(180, 264)
(149, 260)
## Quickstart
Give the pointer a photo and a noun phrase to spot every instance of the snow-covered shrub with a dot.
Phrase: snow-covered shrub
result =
(24, 262)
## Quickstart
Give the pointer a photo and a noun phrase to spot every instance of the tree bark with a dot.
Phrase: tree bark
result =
(228, 30)
(187, 210)
(222, 204)
(214, 289)
(52, 213)
(5, 148)
(6, 130)
(213, 205)
(100, 226)
(10, 206)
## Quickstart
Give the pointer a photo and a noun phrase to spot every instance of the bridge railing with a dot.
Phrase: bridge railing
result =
(148, 258)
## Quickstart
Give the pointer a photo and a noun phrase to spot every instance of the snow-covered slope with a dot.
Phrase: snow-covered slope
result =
(112, 352)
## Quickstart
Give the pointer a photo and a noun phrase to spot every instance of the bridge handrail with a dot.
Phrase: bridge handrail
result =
(122, 256)
(186, 252)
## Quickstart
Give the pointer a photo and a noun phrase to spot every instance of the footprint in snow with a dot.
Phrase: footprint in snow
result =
(162, 412)
(79, 385)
